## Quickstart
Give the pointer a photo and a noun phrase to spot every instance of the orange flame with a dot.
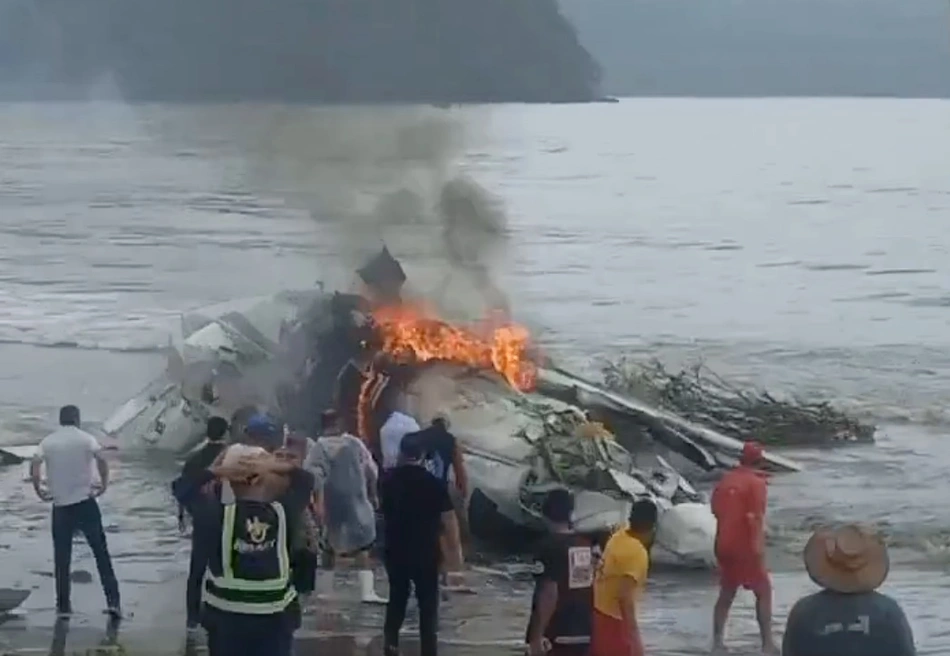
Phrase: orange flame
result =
(412, 334)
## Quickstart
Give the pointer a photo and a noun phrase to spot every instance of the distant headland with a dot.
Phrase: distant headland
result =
(320, 51)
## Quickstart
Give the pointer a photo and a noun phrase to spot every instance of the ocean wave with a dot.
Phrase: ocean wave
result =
(83, 345)
(936, 415)
(918, 543)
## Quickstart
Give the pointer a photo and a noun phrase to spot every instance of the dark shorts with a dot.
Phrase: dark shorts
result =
(568, 650)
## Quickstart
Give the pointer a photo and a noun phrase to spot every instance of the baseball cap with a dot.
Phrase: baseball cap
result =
(751, 453)
(261, 424)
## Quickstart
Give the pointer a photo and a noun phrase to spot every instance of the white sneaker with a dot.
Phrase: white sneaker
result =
(368, 588)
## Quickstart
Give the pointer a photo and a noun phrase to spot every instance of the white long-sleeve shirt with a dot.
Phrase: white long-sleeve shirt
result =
(396, 427)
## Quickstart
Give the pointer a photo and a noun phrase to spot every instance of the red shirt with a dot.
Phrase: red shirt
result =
(738, 502)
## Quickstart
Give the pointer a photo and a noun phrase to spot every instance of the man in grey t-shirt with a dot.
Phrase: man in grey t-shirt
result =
(69, 454)
(848, 617)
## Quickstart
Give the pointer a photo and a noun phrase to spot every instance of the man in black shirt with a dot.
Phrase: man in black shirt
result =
(202, 459)
(217, 433)
(416, 509)
(442, 455)
(563, 595)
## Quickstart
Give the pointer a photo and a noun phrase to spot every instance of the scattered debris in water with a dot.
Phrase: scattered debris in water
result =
(699, 395)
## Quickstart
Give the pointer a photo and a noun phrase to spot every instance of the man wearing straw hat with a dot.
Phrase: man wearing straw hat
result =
(848, 617)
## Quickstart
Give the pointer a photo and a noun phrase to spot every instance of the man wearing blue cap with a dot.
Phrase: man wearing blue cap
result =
(263, 431)
(250, 605)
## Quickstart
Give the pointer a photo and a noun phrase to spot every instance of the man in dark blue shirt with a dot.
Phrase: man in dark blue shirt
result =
(216, 433)
(847, 617)
(443, 453)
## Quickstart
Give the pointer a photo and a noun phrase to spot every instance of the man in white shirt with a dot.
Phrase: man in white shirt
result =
(68, 455)
(397, 426)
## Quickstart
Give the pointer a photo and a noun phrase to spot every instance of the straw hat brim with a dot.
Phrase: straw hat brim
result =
(827, 575)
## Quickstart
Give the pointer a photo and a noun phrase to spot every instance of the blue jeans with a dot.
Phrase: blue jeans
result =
(86, 518)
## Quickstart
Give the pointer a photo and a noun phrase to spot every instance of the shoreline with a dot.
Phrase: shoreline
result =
(446, 104)
(676, 617)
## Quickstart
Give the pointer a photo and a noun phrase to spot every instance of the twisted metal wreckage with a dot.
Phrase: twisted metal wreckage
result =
(525, 426)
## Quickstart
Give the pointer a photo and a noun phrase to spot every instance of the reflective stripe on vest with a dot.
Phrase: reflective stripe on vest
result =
(254, 597)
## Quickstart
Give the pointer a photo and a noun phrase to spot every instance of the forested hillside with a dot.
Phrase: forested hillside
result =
(768, 47)
(296, 50)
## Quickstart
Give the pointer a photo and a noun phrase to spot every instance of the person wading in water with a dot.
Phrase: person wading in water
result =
(739, 502)
(68, 455)
(250, 603)
(216, 432)
(346, 486)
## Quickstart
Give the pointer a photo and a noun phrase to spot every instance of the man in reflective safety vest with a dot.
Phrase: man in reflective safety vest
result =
(250, 604)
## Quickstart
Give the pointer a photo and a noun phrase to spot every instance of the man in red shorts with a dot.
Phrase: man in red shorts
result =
(739, 502)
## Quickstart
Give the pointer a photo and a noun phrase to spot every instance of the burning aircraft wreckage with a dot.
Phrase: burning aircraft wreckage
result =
(525, 425)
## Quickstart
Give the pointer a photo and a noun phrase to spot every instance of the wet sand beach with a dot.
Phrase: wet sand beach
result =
(675, 616)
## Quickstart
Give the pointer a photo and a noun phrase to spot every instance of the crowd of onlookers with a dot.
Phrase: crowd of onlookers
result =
(587, 596)
(265, 505)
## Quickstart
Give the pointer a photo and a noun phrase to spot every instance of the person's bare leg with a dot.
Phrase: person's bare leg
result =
(763, 615)
(720, 614)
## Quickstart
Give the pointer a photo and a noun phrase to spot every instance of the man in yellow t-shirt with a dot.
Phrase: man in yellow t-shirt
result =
(620, 578)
